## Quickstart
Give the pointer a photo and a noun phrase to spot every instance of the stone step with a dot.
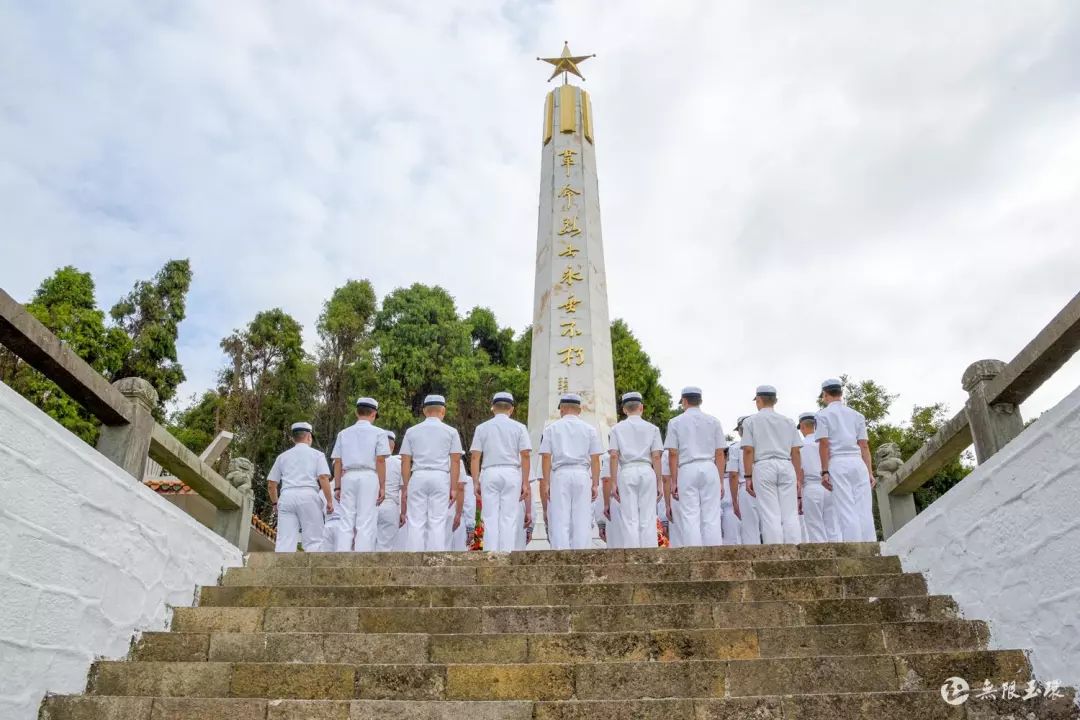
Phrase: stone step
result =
(654, 645)
(648, 556)
(557, 681)
(812, 588)
(921, 705)
(564, 618)
(563, 574)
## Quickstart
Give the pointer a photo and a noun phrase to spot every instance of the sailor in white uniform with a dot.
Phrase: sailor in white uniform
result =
(771, 447)
(635, 448)
(457, 538)
(745, 505)
(609, 509)
(500, 454)
(570, 452)
(846, 467)
(430, 474)
(817, 502)
(297, 477)
(359, 455)
(671, 504)
(388, 533)
(695, 442)
(729, 523)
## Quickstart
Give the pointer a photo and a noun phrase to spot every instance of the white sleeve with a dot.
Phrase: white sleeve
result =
(336, 452)
(478, 439)
(545, 444)
(671, 442)
(748, 432)
(323, 468)
(821, 431)
(406, 445)
(657, 444)
(524, 442)
(860, 428)
(613, 440)
(721, 441)
(594, 442)
(733, 457)
(798, 440)
(382, 446)
(275, 471)
(455, 442)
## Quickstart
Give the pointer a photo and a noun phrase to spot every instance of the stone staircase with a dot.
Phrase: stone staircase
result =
(810, 632)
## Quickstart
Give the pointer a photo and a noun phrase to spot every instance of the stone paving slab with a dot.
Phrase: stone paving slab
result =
(809, 588)
(857, 706)
(564, 618)
(653, 645)
(560, 574)
(806, 551)
(555, 681)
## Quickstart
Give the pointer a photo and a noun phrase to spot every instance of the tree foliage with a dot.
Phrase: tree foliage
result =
(634, 371)
(151, 315)
(65, 304)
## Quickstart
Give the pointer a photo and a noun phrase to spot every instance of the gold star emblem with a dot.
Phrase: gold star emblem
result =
(566, 63)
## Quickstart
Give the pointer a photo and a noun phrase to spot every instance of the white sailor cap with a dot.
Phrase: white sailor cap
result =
(434, 400)
(631, 397)
(391, 434)
(570, 399)
(691, 391)
(300, 427)
(765, 391)
(369, 403)
(807, 416)
(831, 384)
(503, 397)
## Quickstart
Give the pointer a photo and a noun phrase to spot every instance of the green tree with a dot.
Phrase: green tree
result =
(634, 371)
(65, 304)
(343, 358)
(268, 385)
(150, 315)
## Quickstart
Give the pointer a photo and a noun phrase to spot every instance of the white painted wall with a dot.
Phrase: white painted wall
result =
(87, 557)
(1005, 543)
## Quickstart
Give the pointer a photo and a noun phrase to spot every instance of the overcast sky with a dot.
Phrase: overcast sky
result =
(789, 190)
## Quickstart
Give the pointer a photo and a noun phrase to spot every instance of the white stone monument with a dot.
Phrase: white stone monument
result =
(571, 331)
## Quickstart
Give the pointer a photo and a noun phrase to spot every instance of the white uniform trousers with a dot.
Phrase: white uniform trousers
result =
(570, 509)
(852, 499)
(750, 523)
(777, 501)
(520, 538)
(500, 493)
(637, 505)
(359, 513)
(389, 529)
(426, 510)
(455, 539)
(300, 515)
(699, 504)
(729, 523)
(818, 514)
(674, 525)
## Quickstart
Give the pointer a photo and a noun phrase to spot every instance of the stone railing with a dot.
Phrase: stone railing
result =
(130, 437)
(989, 420)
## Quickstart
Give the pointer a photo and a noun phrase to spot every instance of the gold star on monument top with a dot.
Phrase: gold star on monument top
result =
(566, 63)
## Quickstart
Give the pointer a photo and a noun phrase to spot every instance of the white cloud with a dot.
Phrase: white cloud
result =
(789, 191)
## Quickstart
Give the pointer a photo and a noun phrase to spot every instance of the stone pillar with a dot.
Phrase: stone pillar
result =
(129, 445)
(992, 426)
(893, 510)
(235, 525)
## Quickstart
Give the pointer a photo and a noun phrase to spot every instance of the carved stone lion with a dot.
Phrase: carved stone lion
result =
(241, 473)
(887, 461)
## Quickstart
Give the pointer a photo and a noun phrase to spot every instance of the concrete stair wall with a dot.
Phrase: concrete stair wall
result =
(809, 632)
